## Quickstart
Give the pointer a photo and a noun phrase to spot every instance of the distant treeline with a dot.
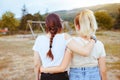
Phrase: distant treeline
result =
(105, 19)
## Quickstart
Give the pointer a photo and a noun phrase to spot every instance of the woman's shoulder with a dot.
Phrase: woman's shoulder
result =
(39, 37)
(99, 43)
(66, 36)
(76, 37)
(69, 37)
(79, 39)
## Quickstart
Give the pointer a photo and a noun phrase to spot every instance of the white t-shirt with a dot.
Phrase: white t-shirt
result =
(91, 60)
(58, 49)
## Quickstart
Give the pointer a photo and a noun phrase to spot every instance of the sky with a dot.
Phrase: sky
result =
(43, 6)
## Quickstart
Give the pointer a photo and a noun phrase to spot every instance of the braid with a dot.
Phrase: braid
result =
(53, 32)
(53, 26)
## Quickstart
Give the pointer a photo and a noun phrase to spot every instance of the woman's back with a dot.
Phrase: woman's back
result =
(92, 59)
(58, 49)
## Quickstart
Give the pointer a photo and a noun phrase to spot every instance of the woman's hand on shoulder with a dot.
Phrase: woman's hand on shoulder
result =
(92, 41)
(94, 38)
(67, 36)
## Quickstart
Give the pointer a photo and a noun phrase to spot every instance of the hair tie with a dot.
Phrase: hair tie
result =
(50, 46)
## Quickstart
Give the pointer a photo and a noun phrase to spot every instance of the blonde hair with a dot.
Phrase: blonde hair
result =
(87, 22)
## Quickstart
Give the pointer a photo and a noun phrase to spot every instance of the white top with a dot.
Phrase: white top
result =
(58, 49)
(91, 60)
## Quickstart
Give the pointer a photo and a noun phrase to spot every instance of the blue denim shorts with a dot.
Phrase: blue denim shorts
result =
(85, 73)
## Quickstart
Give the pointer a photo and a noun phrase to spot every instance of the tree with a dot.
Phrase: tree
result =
(23, 22)
(9, 21)
(117, 22)
(37, 17)
(104, 20)
(0, 23)
(24, 10)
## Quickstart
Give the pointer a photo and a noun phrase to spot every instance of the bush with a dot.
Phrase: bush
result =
(117, 22)
(104, 20)
(9, 21)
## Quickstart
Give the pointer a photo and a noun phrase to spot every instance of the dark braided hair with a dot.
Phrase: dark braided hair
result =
(53, 26)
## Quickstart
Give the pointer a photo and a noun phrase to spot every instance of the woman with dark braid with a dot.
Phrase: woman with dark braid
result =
(49, 49)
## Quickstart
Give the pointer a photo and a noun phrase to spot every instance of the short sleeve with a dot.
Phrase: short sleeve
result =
(68, 40)
(102, 52)
(36, 44)
(67, 37)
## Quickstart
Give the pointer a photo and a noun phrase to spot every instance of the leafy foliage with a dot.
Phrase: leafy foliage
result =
(104, 20)
(117, 22)
(112, 9)
(9, 21)
(23, 22)
(24, 19)
(37, 17)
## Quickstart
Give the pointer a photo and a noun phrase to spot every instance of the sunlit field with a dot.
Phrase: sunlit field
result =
(16, 56)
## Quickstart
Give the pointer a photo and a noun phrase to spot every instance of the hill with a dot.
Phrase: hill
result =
(112, 9)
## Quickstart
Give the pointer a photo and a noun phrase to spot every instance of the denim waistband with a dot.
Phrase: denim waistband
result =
(85, 68)
(85, 73)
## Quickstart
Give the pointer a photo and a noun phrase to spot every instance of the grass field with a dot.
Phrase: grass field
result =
(16, 56)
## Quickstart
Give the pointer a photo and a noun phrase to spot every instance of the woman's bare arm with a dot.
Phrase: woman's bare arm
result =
(37, 65)
(74, 46)
(102, 66)
(62, 67)
(77, 48)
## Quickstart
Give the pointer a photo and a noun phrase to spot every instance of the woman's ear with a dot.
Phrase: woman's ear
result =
(77, 27)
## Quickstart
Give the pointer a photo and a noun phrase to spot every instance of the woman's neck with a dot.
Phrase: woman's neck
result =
(49, 34)
(85, 37)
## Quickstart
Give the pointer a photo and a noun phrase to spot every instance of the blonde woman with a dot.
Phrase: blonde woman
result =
(84, 68)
